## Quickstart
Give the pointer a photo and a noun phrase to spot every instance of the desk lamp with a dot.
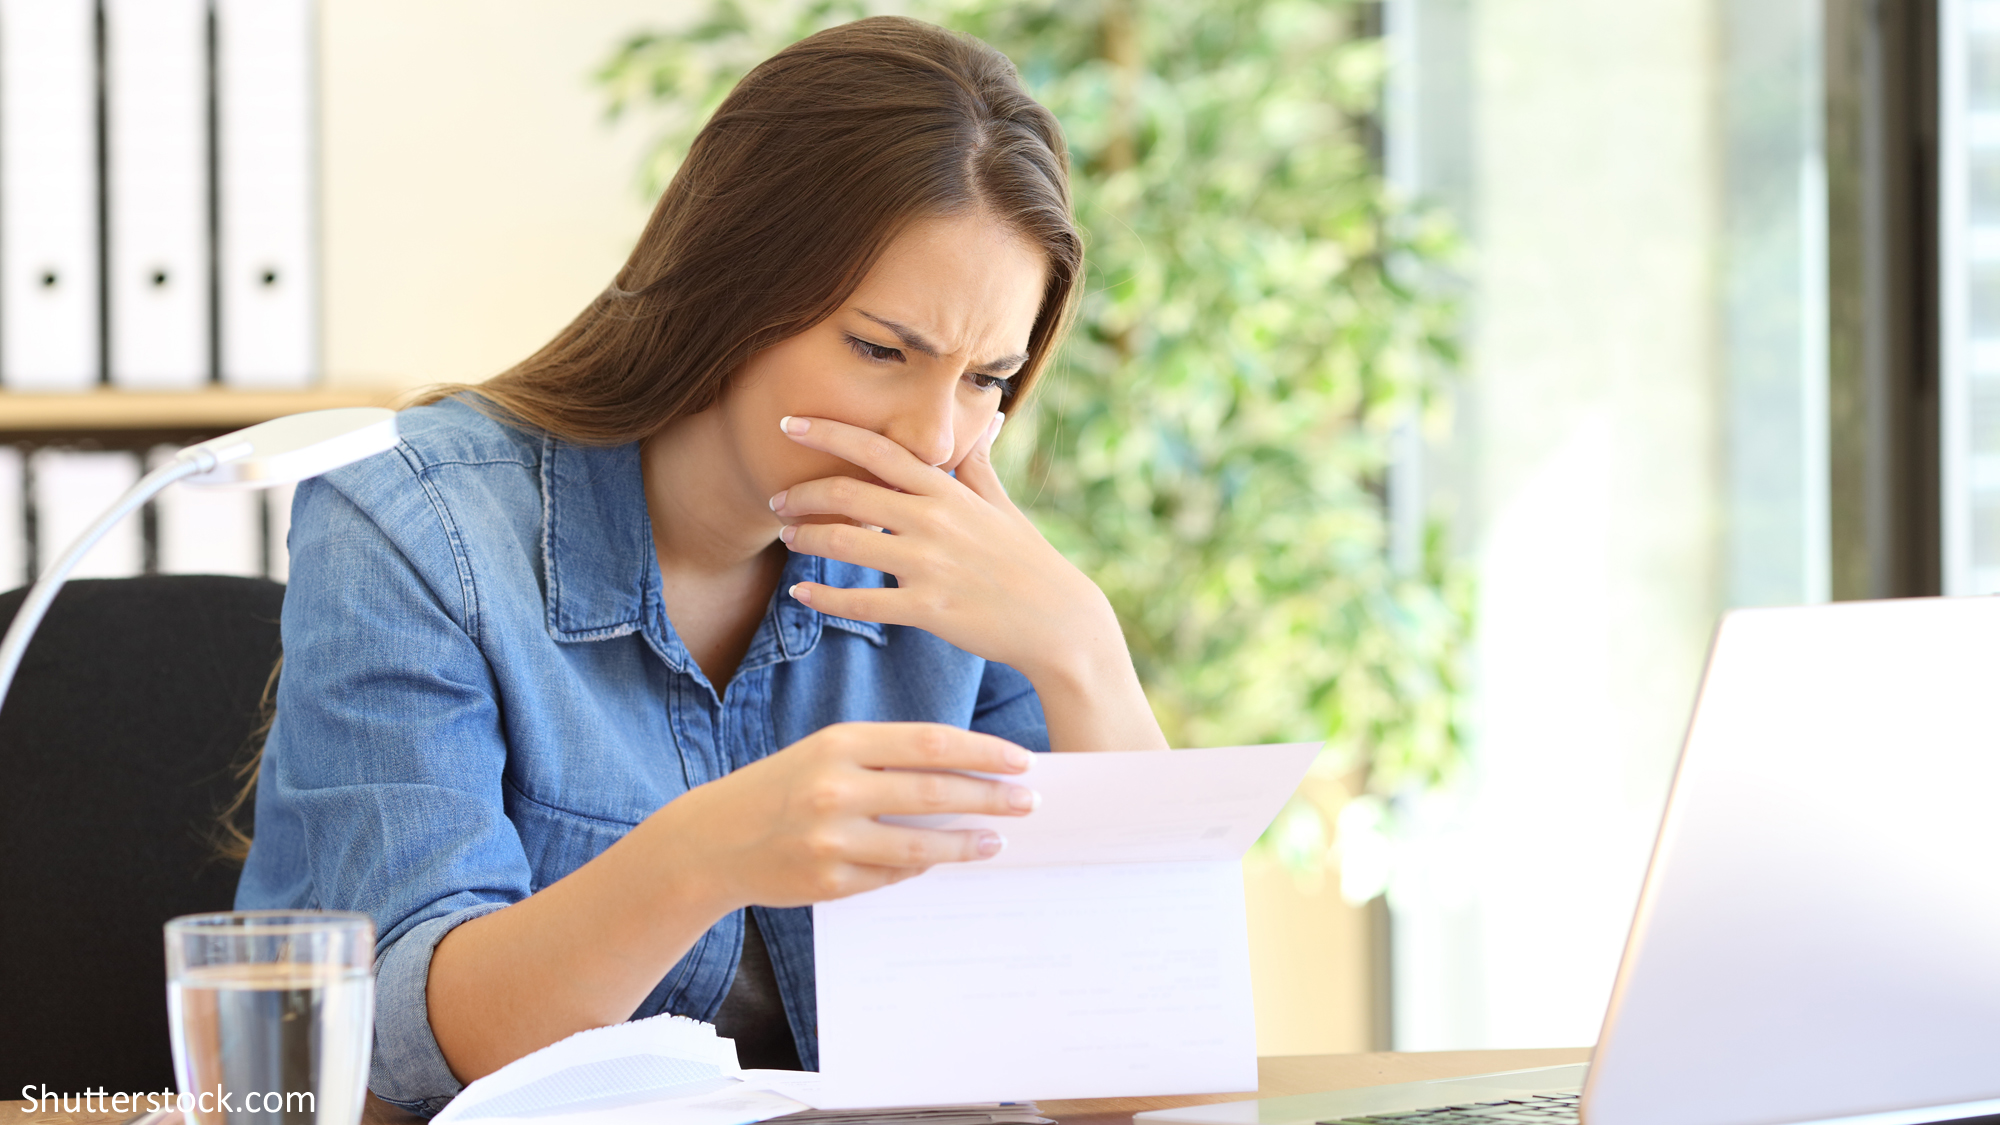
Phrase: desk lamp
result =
(281, 451)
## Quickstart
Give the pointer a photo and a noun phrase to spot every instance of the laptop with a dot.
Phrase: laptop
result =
(1818, 936)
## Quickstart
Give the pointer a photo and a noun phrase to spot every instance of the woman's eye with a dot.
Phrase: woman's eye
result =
(991, 381)
(877, 352)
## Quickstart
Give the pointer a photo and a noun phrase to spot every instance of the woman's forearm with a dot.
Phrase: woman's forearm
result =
(583, 952)
(1090, 692)
(791, 829)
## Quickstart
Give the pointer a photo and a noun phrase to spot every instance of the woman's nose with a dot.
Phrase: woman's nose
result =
(924, 427)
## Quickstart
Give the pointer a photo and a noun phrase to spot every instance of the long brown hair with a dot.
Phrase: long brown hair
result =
(231, 838)
(810, 167)
(808, 170)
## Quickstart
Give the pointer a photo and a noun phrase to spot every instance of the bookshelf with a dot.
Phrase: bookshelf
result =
(110, 413)
(56, 450)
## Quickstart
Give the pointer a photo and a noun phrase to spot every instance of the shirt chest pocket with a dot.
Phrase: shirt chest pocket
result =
(557, 841)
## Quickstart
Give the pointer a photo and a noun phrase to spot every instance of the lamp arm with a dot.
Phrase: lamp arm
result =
(188, 462)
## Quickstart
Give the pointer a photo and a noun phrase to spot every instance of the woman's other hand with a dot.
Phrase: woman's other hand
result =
(970, 567)
(799, 826)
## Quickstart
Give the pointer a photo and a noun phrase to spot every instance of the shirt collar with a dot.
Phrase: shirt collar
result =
(603, 576)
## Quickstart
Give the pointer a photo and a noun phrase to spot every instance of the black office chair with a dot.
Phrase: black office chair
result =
(134, 701)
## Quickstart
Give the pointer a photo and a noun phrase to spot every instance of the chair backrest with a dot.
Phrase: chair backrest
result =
(117, 740)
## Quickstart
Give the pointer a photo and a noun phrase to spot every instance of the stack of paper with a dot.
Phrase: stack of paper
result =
(669, 1070)
(663, 1068)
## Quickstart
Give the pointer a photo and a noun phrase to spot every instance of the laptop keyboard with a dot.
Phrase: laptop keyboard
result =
(1540, 1109)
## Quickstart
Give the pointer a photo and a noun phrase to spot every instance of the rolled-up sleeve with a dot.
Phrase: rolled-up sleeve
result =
(382, 783)
(407, 1060)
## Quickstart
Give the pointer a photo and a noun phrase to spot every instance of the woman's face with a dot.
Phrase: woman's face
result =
(918, 354)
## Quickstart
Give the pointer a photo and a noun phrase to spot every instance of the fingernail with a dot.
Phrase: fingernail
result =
(793, 425)
(1018, 758)
(778, 501)
(1023, 799)
(800, 592)
(786, 532)
(989, 844)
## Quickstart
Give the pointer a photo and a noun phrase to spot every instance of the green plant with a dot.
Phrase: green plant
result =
(1213, 443)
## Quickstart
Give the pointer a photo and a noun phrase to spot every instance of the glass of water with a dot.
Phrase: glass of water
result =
(272, 1013)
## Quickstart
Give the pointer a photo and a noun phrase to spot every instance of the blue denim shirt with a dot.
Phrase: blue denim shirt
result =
(482, 691)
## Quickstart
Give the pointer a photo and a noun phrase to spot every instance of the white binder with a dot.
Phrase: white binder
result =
(207, 530)
(264, 158)
(156, 169)
(72, 488)
(49, 315)
(13, 519)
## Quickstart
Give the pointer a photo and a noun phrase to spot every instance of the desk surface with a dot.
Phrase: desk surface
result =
(1277, 1077)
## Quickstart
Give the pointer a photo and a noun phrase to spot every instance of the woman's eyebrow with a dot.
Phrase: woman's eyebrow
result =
(915, 341)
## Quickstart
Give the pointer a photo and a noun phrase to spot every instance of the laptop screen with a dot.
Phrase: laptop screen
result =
(1819, 934)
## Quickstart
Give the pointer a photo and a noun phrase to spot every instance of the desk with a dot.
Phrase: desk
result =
(1277, 1077)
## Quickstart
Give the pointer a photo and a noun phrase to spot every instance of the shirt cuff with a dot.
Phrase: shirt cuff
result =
(408, 1068)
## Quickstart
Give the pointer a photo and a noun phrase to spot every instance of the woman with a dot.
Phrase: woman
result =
(601, 678)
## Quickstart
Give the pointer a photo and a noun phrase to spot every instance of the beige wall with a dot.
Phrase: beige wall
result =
(473, 198)
(1310, 961)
